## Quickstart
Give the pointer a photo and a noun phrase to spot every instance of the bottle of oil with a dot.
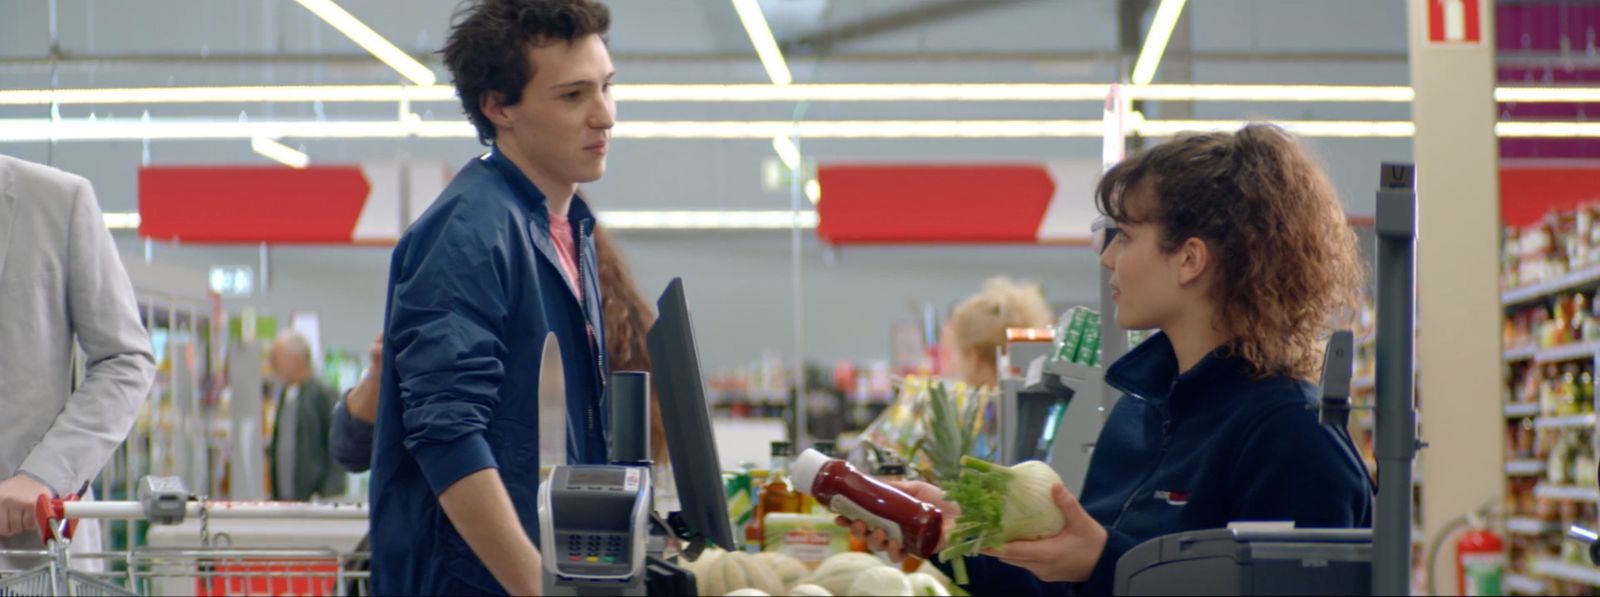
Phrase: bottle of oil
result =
(778, 494)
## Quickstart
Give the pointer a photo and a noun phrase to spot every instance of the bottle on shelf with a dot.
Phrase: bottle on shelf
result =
(777, 494)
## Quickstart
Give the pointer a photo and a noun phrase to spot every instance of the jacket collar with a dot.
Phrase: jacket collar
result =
(1150, 371)
(578, 213)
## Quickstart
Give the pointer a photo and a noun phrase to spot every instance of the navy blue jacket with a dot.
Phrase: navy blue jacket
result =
(474, 286)
(1198, 451)
(350, 439)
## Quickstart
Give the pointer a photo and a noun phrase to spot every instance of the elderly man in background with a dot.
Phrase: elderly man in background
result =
(62, 286)
(302, 463)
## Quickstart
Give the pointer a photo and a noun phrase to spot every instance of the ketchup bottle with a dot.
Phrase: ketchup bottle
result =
(912, 523)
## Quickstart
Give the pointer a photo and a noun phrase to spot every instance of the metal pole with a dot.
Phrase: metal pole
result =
(795, 247)
(1396, 415)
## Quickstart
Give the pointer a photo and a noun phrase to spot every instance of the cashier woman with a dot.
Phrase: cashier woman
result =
(1236, 248)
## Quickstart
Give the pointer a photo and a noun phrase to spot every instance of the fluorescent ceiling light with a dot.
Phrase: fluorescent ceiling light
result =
(1547, 129)
(1304, 128)
(122, 220)
(814, 191)
(708, 220)
(1272, 93)
(84, 129)
(633, 220)
(755, 24)
(1557, 95)
(787, 151)
(234, 94)
(1155, 42)
(369, 40)
(279, 152)
(962, 92)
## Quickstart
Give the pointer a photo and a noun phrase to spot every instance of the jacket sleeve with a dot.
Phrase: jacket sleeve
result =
(1291, 467)
(448, 315)
(350, 439)
(104, 317)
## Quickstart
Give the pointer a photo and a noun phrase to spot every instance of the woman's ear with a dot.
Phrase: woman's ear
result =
(1194, 258)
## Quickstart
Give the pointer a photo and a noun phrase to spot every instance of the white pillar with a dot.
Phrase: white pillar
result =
(1458, 303)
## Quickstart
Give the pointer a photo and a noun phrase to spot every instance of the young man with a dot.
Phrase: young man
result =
(504, 257)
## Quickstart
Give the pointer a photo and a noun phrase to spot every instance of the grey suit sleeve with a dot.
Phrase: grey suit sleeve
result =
(105, 320)
(351, 439)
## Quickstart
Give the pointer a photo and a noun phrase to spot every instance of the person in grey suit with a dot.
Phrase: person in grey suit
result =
(302, 466)
(61, 285)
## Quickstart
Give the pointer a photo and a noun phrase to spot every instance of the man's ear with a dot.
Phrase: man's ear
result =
(1194, 258)
(493, 106)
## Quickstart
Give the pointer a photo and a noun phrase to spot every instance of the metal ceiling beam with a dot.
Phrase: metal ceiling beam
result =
(823, 42)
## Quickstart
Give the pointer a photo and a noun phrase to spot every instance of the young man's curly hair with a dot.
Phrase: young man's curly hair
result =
(488, 46)
(1285, 256)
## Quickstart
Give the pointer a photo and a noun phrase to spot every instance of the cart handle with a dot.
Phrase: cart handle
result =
(47, 509)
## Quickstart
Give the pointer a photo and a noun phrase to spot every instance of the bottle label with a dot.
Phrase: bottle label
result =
(853, 511)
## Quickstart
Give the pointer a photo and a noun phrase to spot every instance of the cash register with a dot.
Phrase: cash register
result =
(598, 532)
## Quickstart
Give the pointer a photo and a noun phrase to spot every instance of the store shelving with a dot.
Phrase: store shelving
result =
(1551, 345)
(1589, 276)
(1567, 571)
(1524, 585)
(1528, 525)
(1525, 467)
(1588, 495)
(1521, 353)
(1517, 410)
(1568, 352)
(1584, 421)
(1365, 382)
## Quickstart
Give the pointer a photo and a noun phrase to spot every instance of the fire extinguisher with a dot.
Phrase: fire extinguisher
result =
(1480, 560)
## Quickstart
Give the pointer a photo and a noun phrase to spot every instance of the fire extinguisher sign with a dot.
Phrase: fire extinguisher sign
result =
(1455, 22)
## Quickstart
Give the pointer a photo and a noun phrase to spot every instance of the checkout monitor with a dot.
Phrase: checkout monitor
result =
(675, 364)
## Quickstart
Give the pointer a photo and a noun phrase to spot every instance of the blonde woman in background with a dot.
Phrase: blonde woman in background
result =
(977, 328)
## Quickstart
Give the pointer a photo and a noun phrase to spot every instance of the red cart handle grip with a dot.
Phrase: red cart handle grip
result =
(47, 509)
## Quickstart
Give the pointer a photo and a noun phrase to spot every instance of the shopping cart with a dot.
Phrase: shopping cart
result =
(216, 567)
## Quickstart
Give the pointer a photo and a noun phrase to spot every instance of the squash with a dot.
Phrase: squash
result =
(839, 570)
(883, 580)
(808, 591)
(734, 570)
(748, 593)
(925, 585)
(788, 569)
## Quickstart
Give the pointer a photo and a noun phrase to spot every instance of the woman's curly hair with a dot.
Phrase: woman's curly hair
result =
(1285, 255)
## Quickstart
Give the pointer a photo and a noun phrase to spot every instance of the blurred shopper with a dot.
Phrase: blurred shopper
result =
(977, 327)
(302, 465)
(62, 287)
(502, 259)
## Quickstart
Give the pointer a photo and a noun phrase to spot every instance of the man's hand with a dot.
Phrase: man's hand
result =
(17, 498)
(363, 399)
(878, 540)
